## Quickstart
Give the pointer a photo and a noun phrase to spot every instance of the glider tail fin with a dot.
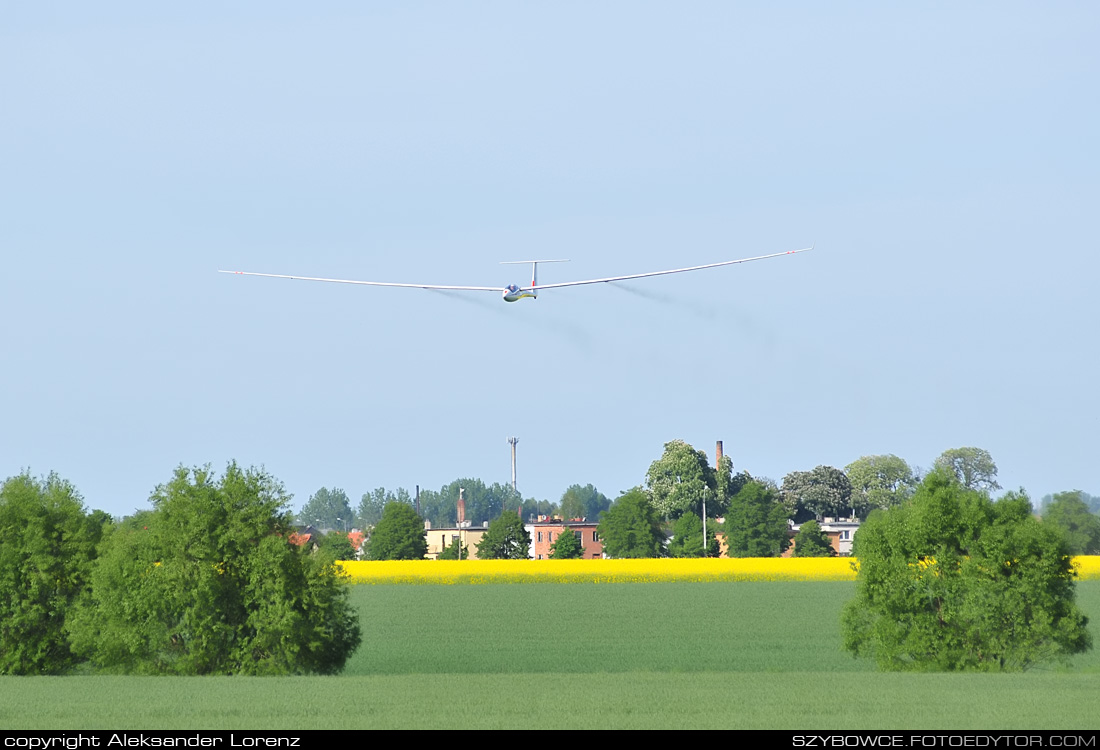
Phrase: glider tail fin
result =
(534, 270)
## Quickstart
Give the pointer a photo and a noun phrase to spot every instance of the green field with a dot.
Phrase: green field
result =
(665, 655)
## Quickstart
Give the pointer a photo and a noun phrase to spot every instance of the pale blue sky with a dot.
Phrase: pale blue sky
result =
(942, 156)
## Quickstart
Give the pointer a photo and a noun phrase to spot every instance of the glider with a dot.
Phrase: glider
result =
(514, 292)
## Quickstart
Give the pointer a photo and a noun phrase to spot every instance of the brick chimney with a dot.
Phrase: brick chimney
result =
(717, 454)
(461, 506)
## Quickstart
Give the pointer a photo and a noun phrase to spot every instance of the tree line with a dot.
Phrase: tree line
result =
(682, 492)
(331, 508)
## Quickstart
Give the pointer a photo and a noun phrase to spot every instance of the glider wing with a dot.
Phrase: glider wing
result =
(664, 273)
(370, 283)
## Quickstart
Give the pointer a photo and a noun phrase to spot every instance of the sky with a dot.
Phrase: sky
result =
(941, 157)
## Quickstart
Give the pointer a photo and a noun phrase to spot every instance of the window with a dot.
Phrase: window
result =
(540, 539)
(844, 535)
(595, 537)
(577, 534)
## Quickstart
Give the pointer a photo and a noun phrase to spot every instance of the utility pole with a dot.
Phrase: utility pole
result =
(512, 441)
(704, 522)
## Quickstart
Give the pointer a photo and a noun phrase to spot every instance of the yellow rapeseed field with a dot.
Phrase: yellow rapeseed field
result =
(622, 571)
(1087, 567)
(600, 571)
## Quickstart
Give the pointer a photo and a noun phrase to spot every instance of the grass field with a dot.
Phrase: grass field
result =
(664, 655)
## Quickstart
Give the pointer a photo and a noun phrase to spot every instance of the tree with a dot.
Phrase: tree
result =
(687, 538)
(338, 546)
(756, 522)
(953, 581)
(399, 534)
(373, 504)
(533, 508)
(483, 502)
(678, 480)
(1092, 501)
(631, 528)
(825, 491)
(879, 482)
(811, 541)
(583, 502)
(208, 582)
(971, 467)
(1068, 511)
(455, 551)
(567, 546)
(329, 509)
(47, 546)
(728, 484)
(505, 539)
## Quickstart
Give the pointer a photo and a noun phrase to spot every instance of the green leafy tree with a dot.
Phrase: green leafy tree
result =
(337, 546)
(483, 502)
(583, 502)
(505, 539)
(1092, 501)
(455, 551)
(679, 479)
(953, 581)
(971, 467)
(811, 541)
(687, 538)
(399, 534)
(756, 522)
(437, 509)
(631, 527)
(327, 509)
(1069, 512)
(209, 583)
(825, 491)
(879, 482)
(47, 545)
(568, 545)
(373, 504)
(728, 484)
(533, 508)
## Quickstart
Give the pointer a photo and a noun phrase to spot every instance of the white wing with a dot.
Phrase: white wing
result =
(500, 288)
(371, 283)
(663, 273)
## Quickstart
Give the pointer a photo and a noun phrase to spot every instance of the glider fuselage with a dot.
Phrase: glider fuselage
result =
(514, 293)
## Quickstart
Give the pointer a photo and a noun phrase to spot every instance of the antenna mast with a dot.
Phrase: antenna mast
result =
(512, 441)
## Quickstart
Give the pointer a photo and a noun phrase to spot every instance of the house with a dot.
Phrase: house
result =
(840, 531)
(545, 531)
(443, 537)
(357, 537)
(305, 535)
